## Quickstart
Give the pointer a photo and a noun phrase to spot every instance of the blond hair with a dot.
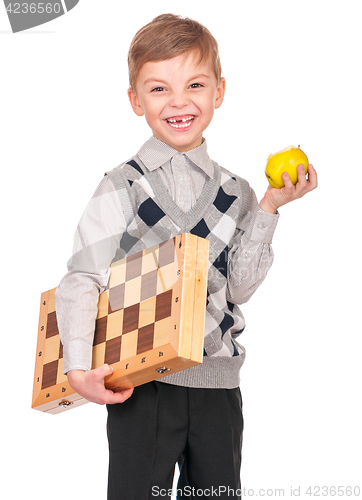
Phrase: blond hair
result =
(168, 36)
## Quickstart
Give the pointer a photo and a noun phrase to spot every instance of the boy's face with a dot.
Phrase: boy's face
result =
(178, 98)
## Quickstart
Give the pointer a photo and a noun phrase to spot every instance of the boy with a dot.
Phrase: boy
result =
(193, 417)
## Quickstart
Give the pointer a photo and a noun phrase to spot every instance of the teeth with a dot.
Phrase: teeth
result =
(180, 122)
(181, 125)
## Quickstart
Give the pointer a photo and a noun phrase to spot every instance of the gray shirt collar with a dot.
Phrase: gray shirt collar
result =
(155, 153)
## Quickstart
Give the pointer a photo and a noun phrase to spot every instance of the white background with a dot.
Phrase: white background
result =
(293, 76)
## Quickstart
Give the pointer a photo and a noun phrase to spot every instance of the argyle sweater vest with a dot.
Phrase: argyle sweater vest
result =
(152, 217)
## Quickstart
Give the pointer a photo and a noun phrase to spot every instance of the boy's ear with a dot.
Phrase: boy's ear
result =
(133, 99)
(220, 92)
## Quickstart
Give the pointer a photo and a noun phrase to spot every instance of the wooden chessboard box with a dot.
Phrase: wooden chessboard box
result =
(150, 322)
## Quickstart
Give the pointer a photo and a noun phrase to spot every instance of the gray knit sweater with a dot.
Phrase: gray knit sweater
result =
(225, 213)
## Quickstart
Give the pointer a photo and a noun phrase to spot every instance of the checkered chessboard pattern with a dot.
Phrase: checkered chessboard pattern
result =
(133, 312)
(150, 322)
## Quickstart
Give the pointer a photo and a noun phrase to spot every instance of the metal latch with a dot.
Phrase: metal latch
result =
(163, 370)
(65, 404)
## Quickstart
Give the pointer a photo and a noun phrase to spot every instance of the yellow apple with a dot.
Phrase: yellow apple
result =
(286, 160)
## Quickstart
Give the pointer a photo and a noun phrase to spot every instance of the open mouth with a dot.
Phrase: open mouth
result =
(180, 122)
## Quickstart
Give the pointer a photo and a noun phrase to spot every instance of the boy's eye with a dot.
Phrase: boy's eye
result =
(157, 89)
(195, 85)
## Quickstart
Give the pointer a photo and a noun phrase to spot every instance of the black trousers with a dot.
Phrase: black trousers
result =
(161, 425)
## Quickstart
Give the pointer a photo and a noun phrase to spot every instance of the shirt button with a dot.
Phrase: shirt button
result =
(261, 226)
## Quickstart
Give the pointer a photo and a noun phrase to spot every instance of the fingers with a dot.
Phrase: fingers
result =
(91, 386)
(103, 371)
(304, 184)
(118, 397)
(312, 177)
(287, 181)
(107, 396)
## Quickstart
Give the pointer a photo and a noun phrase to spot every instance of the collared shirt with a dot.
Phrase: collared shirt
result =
(103, 223)
(184, 174)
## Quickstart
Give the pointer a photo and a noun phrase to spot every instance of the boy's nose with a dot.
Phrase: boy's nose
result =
(178, 99)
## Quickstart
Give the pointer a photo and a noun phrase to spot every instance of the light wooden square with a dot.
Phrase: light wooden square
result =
(150, 260)
(61, 377)
(114, 325)
(98, 355)
(51, 302)
(167, 277)
(147, 312)
(132, 292)
(129, 344)
(51, 351)
(162, 332)
(118, 273)
(103, 304)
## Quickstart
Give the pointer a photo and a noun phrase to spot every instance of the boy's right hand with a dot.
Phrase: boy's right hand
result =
(90, 385)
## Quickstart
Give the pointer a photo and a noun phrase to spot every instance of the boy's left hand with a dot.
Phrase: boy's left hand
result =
(275, 198)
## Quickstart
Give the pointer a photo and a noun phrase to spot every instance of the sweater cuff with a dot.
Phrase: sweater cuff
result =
(264, 226)
(77, 355)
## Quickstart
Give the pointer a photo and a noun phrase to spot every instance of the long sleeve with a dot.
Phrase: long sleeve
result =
(251, 255)
(102, 228)
(95, 244)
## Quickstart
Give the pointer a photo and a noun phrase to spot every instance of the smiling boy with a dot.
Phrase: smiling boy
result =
(178, 97)
(193, 417)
